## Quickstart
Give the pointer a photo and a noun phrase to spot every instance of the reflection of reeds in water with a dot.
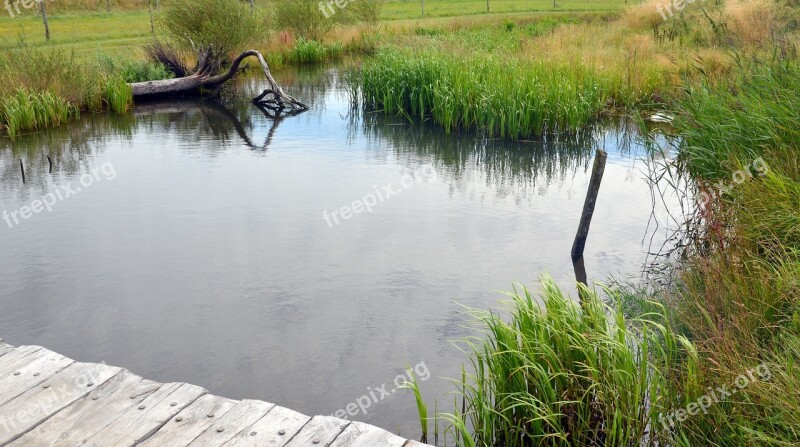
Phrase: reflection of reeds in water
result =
(510, 166)
(71, 149)
(503, 163)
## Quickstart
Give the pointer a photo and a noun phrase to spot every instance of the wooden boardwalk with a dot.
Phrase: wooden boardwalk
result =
(47, 399)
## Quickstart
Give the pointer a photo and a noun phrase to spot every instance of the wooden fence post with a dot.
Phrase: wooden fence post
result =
(150, 8)
(588, 206)
(44, 19)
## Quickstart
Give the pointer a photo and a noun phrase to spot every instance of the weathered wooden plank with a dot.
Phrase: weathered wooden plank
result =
(4, 348)
(320, 431)
(413, 443)
(87, 416)
(140, 422)
(43, 365)
(358, 434)
(16, 358)
(274, 429)
(34, 406)
(243, 415)
(190, 423)
(47, 399)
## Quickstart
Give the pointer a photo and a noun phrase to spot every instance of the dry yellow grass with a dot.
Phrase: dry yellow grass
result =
(751, 22)
(631, 59)
(645, 15)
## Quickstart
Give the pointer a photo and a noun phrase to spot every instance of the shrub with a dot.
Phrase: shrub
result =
(311, 19)
(223, 26)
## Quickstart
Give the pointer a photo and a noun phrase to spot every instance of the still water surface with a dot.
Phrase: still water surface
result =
(198, 252)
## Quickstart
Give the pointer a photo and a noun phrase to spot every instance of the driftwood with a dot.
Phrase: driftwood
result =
(273, 101)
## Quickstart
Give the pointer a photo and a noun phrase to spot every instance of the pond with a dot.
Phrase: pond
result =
(305, 262)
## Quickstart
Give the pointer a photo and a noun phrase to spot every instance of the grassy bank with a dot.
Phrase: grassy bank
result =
(712, 359)
(512, 78)
(525, 76)
(41, 88)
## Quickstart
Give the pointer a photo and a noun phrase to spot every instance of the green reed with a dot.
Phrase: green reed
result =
(505, 98)
(118, 95)
(27, 110)
(562, 373)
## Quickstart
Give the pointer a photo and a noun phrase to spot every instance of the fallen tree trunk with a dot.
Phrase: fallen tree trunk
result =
(273, 99)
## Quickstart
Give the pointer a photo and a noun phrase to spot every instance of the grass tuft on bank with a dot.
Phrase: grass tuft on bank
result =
(44, 87)
(563, 373)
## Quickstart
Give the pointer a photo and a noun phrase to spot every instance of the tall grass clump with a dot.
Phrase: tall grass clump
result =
(41, 88)
(26, 110)
(506, 98)
(740, 300)
(560, 373)
(311, 51)
(752, 114)
(751, 22)
(119, 95)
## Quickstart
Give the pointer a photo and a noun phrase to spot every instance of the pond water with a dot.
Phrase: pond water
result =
(200, 242)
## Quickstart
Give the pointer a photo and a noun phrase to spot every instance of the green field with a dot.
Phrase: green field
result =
(119, 33)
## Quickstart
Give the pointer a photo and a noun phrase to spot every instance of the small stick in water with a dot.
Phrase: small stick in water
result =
(588, 206)
(50, 160)
(22, 169)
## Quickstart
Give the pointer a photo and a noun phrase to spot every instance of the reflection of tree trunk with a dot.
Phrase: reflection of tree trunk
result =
(273, 98)
(216, 109)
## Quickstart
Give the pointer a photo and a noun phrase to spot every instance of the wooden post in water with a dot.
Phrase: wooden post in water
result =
(22, 170)
(580, 271)
(44, 18)
(588, 206)
(50, 162)
(580, 276)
